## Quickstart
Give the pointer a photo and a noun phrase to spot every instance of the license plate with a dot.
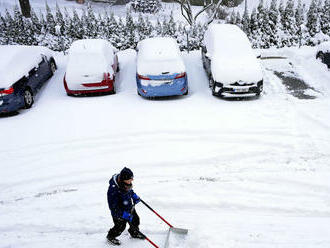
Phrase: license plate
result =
(241, 90)
(167, 82)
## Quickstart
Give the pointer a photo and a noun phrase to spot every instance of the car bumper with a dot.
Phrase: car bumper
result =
(10, 103)
(177, 88)
(238, 91)
(105, 88)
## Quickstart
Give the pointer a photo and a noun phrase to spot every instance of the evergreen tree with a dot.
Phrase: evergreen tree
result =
(263, 28)
(254, 29)
(313, 25)
(238, 20)
(246, 21)
(169, 26)
(131, 39)
(158, 28)
(146, 6)
(325, 18)
(91, 22)
(50, 21)
(290, 25)
(299, 17)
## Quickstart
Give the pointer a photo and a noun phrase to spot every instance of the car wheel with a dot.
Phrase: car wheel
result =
(28, 98)
(53, 66)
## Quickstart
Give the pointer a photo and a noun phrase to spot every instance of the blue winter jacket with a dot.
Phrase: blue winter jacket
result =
(118, 199)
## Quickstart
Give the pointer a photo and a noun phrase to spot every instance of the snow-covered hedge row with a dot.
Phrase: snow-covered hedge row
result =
(277, 26)
(58, 30)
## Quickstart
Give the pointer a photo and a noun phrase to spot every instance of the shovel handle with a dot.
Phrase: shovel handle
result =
(155, 212)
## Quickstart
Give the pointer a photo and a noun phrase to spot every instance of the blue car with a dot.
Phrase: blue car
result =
(23, 71)
(160, 68)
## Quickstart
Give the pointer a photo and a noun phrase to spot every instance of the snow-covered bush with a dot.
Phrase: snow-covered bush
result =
(146, 6)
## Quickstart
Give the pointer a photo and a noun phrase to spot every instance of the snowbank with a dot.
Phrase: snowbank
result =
(16, 62)
(232, 58)
(88, 61)
(158, 55)
(324, 47)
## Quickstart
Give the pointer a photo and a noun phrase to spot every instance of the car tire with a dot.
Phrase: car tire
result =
(52, 66)
(186, 93)
(138, 92)
(28, 98)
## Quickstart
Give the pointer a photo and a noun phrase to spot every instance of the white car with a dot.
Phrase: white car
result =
(231, 65)
(92, 67)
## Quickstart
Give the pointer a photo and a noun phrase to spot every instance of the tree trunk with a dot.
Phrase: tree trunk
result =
(25, 8)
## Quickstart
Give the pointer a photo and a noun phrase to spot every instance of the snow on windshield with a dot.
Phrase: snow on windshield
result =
(157, 55)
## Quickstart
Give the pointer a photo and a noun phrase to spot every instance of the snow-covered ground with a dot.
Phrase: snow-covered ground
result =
(251, 173)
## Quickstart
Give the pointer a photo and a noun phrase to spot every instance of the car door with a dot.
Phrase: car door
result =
(43, 72)
(33, 79)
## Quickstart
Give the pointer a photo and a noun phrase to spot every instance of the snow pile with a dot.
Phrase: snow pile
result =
(324, 47)
(88, 61)
(232, 58)
(158, 55)
(16, 62)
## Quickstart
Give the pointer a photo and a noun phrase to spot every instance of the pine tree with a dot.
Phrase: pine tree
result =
(325, 18)
(264, 30)
(238, 20)
(159, 28)
(290, 25)
(312, 19)
(146, 6)
(254, 30)
(169, 26)
(299, 17)
(131, 39)
(246, 21)
(50, 21)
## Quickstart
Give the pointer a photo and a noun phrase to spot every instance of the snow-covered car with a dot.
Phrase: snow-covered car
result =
(23, 71)
(160, 69)
(230, 62)
(91, 68)
(323, 53)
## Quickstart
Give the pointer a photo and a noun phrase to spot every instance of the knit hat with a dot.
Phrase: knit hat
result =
(126, 174)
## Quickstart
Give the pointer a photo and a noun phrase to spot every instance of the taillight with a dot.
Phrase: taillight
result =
(143, 77)
(7, 91)
(181, 75)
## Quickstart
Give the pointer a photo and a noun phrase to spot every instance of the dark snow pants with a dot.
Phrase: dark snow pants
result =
(120, 225)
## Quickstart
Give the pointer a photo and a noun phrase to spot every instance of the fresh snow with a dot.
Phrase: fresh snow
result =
(17, 61)
(237, 174)
(158, 55)
(324, 47)
(88, 61)
(232, 58)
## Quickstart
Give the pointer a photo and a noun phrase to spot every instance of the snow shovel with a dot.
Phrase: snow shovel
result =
(172, 228)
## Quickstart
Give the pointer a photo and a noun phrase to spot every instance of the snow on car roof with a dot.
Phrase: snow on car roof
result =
(90, 46)
(158, 48)
(16, 61)
(158, 55)
(231, 54)
(88, 60)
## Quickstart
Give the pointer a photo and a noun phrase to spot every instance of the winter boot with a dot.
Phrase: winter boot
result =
(137, 235)
(113, 241)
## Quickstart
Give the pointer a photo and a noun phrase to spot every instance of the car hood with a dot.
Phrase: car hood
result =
(236, 69)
